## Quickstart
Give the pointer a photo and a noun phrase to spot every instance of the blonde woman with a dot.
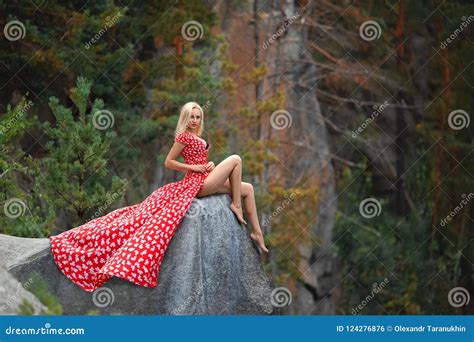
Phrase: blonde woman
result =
(226, 177)
(130, 242)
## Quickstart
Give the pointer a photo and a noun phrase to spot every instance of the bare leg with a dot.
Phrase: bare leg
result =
(235, 180)
(251, 209)
(230, 168)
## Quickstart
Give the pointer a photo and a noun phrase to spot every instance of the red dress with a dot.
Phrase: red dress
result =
(130, 242)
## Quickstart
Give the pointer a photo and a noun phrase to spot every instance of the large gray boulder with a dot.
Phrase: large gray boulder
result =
(211, 267)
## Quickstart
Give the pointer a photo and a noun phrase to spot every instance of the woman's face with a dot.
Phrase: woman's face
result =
(194, 119)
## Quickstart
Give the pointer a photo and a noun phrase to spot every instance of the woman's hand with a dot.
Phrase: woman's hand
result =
(203, 167)
(199, 168)
(210, 166)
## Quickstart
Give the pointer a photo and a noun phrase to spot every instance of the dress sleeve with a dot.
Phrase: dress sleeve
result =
(182, 138)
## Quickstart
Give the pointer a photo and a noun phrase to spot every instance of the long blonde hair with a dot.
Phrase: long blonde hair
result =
(184, 118)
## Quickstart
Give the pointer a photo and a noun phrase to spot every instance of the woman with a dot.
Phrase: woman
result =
(130, 242)
(223, 178)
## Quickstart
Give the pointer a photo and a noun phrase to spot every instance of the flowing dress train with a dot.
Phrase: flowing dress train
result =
(130, 242)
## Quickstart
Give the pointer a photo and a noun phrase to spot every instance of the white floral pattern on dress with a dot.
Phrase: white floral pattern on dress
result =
(130, 242)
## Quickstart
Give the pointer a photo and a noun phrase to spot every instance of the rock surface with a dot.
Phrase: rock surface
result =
(13, 295)
(211, 267)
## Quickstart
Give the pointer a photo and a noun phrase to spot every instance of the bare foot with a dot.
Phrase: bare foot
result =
(238, 212)
(258, 237)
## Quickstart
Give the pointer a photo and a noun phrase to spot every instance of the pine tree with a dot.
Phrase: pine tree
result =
(24, 212)
(133, 55)
(74, 174)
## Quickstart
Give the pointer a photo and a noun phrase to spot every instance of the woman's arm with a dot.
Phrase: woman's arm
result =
(172, 163)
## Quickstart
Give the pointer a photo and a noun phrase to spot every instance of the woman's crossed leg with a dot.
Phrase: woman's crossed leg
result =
(226, 177)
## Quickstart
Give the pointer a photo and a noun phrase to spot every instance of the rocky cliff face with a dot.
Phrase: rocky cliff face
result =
(211, 267)
(274, 34)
